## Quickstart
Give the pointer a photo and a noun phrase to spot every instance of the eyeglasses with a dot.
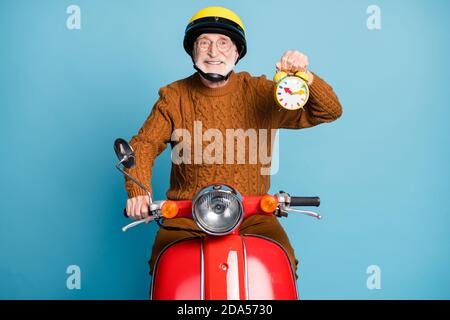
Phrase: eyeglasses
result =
(222, 44)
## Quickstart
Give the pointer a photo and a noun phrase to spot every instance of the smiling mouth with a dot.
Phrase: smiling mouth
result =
(214, 63)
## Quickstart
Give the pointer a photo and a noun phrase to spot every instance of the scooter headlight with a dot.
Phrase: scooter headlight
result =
(217, 209)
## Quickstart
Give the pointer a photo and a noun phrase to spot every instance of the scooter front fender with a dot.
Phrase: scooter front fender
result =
(230, 267)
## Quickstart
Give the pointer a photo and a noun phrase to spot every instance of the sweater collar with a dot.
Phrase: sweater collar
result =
(214, 92)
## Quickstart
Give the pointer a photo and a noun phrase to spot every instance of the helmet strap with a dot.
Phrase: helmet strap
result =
(213, 77)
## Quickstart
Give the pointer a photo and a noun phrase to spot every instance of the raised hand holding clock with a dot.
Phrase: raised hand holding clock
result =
(292, 80)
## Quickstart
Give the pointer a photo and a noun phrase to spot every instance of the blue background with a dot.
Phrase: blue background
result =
(381, 170)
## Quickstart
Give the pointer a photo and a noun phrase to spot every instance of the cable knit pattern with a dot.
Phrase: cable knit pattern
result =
(245, 102)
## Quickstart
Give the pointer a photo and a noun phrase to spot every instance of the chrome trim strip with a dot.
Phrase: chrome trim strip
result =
(247, 295)
(202, 272)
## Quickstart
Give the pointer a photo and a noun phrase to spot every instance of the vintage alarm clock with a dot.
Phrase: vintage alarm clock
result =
(291, 91)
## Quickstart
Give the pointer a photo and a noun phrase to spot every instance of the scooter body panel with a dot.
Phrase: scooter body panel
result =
(270, 275)
(177, 274)
(229, 267)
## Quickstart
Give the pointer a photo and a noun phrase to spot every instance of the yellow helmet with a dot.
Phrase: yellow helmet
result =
(216, 20)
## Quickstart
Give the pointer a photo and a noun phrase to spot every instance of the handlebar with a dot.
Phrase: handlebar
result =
(252, 204)
(305, 201)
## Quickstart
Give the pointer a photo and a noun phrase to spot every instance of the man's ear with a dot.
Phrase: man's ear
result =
(236, 56)
(193, 53)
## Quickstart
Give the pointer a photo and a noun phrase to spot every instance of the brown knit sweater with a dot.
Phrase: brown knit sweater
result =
(244, 102)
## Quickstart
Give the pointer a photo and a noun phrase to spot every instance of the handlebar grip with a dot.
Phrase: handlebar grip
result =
(305, 201)
(125, 213)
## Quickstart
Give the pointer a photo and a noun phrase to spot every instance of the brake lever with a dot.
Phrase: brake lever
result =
(135, 223)
(308, 213)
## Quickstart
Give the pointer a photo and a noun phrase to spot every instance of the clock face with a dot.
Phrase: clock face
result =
(292, 93)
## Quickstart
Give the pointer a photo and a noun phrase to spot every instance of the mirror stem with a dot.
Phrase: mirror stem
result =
(135, 181)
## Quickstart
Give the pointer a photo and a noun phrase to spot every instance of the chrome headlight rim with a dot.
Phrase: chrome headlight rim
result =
(225, 189)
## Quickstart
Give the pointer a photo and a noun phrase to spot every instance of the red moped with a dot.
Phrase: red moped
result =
(223, 265)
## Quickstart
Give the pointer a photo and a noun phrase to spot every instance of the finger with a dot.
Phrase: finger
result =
(128, 207)
(304, 63)
(284, 59)
(297, 65)
(292, 57)
(278, 66)
(136, 209)
(144, 209)
(289, 64)
(297, 60)
(132, 202)
(284, 65)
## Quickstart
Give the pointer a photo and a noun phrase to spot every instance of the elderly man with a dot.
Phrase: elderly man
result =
(220, 99)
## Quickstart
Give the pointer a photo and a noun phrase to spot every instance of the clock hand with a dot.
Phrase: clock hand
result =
(298, 92)
(287, 90)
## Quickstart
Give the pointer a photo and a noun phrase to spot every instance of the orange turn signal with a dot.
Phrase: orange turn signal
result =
(169, 209)
(268, 203)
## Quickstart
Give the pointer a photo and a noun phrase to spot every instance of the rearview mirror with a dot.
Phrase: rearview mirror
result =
(125, 153)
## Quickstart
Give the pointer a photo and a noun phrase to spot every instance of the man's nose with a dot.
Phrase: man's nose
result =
(212, 51)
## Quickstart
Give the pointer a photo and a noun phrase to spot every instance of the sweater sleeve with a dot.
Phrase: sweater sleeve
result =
(151, 140)
(322, 106)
